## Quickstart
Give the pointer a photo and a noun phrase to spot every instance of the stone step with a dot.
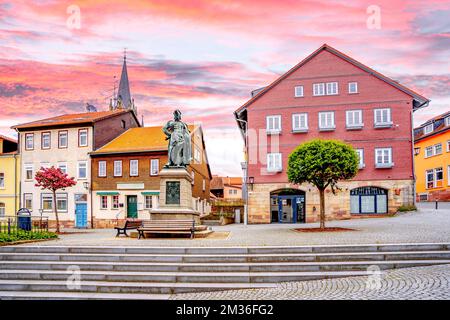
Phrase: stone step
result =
(229, 250)
(123, 287)
(45, 295)
(211, 258)
(176, 277)
(215, 267)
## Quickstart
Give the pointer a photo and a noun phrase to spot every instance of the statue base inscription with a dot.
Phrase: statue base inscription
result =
(175, 196)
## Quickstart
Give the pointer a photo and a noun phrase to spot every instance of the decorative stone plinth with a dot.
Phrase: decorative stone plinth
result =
(175, 196)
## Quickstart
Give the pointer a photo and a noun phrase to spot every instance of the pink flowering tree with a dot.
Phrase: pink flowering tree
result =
(53, 179)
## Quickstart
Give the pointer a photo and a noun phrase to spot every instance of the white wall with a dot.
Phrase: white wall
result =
(70, 155)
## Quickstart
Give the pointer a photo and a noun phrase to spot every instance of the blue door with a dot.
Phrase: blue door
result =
(81, 215)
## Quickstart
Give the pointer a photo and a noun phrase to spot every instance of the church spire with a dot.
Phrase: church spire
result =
(124, 100)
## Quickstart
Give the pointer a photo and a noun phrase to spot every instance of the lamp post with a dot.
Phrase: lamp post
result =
(245, 169)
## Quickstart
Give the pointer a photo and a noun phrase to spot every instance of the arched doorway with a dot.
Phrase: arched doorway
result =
(368, 200)
(287, 206)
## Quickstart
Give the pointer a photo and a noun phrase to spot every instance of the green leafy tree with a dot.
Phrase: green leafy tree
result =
(322, 163)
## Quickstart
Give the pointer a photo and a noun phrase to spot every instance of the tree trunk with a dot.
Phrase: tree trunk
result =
(55, 210)
(322, 208)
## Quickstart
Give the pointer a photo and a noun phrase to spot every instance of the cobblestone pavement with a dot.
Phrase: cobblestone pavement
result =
(421, 283)
(426, 225)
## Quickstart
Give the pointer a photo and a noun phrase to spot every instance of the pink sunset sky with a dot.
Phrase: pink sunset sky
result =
(205, 57)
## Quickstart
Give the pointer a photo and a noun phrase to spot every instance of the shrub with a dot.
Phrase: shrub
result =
(407, 208)
(24, 235)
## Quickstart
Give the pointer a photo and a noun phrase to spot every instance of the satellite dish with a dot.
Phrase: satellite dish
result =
(90, 108)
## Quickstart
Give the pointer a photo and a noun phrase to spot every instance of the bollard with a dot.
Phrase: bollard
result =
(436, 204)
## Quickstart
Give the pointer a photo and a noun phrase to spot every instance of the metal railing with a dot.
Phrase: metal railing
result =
(11, 225)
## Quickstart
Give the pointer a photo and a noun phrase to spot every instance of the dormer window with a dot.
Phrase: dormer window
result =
(123, 124)
(428, 129)
(447, 121)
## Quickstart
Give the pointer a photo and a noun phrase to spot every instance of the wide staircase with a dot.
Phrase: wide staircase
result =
(88, 272)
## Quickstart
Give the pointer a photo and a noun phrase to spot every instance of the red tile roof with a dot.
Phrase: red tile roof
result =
(70, 119)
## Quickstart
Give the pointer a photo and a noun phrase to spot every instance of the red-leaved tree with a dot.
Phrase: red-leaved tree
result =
(53, 179)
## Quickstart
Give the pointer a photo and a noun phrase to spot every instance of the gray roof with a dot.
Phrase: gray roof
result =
(124, 87)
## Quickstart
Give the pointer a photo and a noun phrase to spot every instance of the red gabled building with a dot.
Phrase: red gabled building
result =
(329, 95)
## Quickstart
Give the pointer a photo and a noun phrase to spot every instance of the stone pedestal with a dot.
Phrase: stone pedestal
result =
(175, 196)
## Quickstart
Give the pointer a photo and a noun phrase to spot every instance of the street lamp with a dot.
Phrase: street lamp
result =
(245, 169)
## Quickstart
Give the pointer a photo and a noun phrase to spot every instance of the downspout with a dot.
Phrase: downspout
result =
(423, 105)
(15, 182)
(90, 183)
(15, 173)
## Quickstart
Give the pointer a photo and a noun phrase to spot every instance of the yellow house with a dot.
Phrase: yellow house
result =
(9, 177)
(432, 159)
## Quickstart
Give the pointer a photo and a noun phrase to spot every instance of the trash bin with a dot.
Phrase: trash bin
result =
(24, 219)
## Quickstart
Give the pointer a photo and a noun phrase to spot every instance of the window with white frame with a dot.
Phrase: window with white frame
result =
(103, 202)
(318, 89)
(298, 91)
(447, 121)
(28, 172)
(300, 122)
(274, 162)
(353, 87)
(448, 145)
(148, 202)
(63, 167)
(428, 129)
(45, 165)
(354, 118)
(61, 202)
(332, 88)
(29, 141)
(439, 177)
(273, 124)
(45, 140)
(102, 168)
(134, 168)
(382, 117)
(2, 180)
(2, 209)
(326, 120)
(383, 157)
(428, 151)
(82, 170)
(360, 153)
(434, 178)
(437, 148)
(115, 201)
(28, 201)
(46, 201)
(62, 139)
(429, 178)
(433, 150)
(83, 137)
(118, 168)
(154, 167)
(197, 155)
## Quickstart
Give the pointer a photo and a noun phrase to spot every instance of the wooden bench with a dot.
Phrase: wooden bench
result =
(167, 227)
(128, 225)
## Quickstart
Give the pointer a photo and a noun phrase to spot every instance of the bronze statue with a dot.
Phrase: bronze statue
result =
(177, 132)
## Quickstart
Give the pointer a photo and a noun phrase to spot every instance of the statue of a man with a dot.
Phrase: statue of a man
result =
(177, 132)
